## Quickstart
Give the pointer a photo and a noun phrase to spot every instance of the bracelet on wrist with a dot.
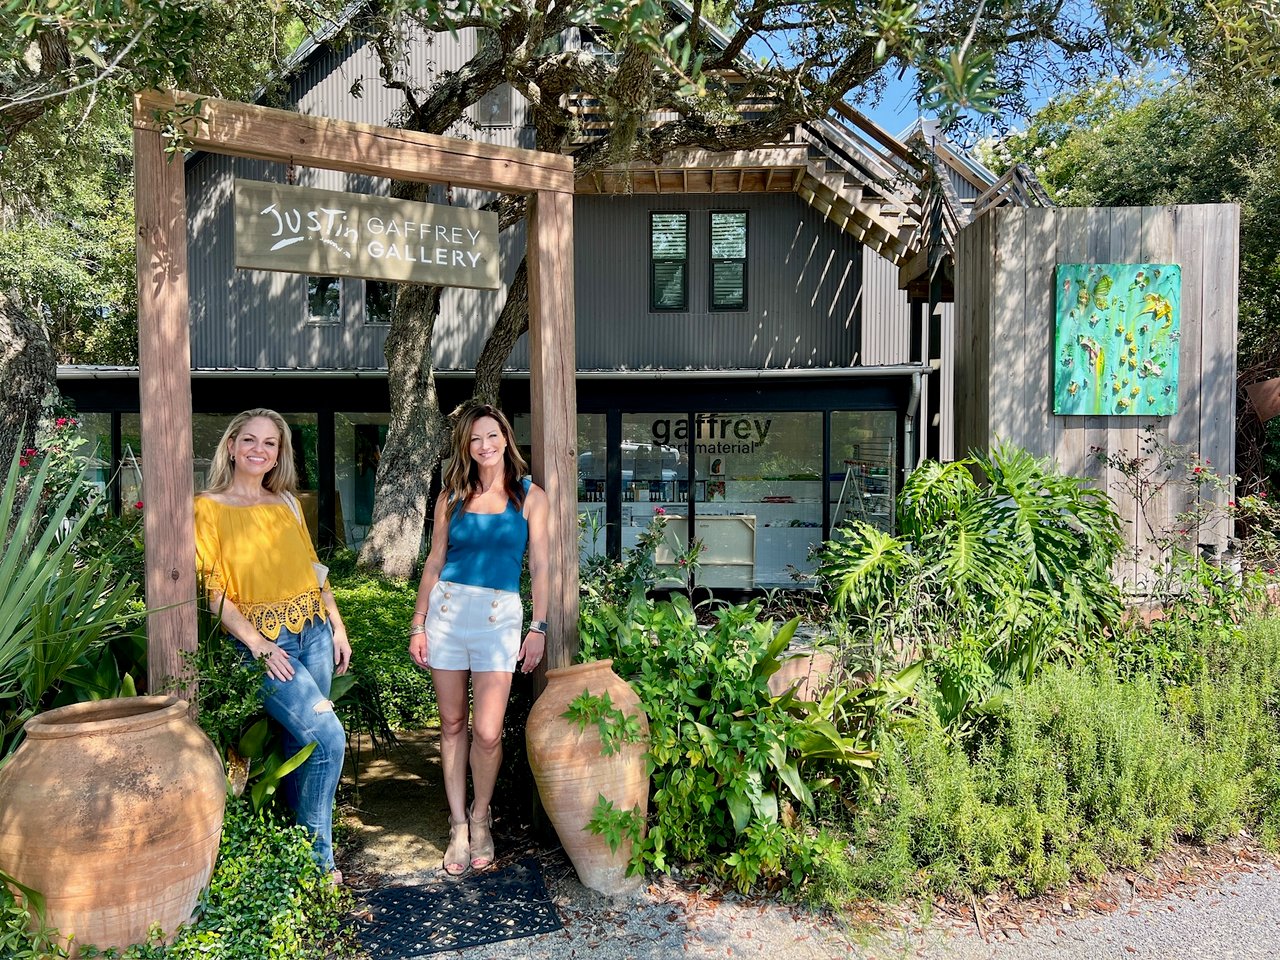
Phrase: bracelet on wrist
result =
(538, 626)
(417, 628)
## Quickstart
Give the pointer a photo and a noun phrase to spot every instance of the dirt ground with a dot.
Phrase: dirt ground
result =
(396, 822)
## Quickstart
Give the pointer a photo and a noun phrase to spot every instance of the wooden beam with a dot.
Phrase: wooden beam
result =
(164, 386)
(246, 130)
(554, 410)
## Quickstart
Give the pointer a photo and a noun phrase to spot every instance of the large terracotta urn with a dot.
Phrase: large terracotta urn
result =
(113, 811)
(572, 772)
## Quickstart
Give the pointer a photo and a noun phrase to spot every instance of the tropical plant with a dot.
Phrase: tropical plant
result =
(57, 613)
(983, 581)
(731, 762)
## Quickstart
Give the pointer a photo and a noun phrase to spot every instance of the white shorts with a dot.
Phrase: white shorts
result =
(473, 628)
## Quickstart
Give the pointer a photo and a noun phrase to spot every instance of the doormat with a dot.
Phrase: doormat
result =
(476, 909)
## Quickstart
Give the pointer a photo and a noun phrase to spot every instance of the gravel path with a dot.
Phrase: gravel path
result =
(1192, 905)
(1236, 917)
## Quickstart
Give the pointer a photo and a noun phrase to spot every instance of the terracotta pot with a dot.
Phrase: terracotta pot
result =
(113, 810)
(1265, 397)
(572, 772)
(806, 671)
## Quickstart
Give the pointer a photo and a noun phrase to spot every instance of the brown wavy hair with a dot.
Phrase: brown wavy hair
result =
(282, 478)
(462, 476)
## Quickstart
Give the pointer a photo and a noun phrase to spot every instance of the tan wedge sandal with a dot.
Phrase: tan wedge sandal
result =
(481, 840)
(457, 855)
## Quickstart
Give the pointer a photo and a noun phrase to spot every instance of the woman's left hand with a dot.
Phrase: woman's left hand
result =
(531, 651)
(341, 652)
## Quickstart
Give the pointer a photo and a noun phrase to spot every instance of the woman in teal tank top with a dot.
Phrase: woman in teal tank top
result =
(468, 618)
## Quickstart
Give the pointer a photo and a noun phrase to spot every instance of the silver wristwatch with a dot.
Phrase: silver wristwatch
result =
(538, 626)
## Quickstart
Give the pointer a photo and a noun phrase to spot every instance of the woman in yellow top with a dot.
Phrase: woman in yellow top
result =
(260, 571)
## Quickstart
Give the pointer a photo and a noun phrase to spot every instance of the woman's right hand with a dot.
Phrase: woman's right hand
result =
(418, 650)
(279, 666)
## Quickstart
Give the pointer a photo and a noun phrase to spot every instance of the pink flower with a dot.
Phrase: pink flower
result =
(61, 422)
(29, 452)
(138, 505)
(23, 462)
(1196, 470)
(74, 421)
(1231, 503)
(658, 511)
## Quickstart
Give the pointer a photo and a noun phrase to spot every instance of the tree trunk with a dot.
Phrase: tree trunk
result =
(416, 435)
(513, 322)
(28, 376)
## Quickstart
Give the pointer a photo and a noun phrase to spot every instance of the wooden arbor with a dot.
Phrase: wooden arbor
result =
(164, 352)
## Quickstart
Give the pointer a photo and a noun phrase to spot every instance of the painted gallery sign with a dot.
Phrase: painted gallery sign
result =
(334, 234)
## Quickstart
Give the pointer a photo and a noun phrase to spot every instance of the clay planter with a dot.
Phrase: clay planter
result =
(113, 811)
(1266, 398)
(572, 772)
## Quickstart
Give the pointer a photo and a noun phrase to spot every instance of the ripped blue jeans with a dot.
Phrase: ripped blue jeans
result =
(302, 708)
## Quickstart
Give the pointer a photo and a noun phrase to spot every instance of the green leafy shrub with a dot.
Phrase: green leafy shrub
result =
(729, 760)
(377, 612)
(267, 900)
(1229, 706)
(984, 583)
(1079, 772)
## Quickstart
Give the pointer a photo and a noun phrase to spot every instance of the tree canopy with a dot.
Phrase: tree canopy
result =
(68, 66)
(1114, 144)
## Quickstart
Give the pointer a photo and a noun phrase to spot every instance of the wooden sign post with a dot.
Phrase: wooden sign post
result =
(238, 129)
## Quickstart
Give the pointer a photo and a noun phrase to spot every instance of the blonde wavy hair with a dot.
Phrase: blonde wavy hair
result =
(282, 478)
(462, 476)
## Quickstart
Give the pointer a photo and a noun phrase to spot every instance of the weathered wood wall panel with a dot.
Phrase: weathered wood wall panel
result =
(1005, 360)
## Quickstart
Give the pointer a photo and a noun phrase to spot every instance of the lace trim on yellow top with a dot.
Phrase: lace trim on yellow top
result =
(291, 614)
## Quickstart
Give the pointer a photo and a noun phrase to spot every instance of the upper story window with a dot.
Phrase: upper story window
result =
(729, 260)
(494, 108)
(324, 299)
(669, 261)
(379, 299)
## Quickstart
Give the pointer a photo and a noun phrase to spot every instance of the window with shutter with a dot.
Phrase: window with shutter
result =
(669, 261)
(729, 260)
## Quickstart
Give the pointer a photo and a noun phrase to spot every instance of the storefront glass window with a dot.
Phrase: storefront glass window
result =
(861, 483)
(95, 428)
(759, 480)
(592, 456)
(654, 482)
(358, 440)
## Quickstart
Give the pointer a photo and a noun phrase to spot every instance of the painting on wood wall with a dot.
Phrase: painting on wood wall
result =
(1116, 347)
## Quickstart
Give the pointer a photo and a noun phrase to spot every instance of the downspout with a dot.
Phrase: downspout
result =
(909, 427)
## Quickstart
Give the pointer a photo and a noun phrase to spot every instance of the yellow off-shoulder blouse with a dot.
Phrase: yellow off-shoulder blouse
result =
(260, 558)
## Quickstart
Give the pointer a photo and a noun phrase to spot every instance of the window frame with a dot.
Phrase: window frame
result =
(316, 320)
(368, 317)
(713, 261)
(501, 96)
(654, 306)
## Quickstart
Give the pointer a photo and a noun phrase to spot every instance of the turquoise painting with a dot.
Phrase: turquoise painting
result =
(1116, 346)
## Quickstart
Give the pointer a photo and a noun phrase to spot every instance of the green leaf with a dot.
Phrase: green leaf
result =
(254, 741)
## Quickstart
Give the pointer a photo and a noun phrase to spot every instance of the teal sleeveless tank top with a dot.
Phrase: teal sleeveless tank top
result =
(487, 549)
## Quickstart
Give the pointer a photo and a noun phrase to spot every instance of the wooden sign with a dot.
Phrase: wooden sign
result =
(335, 234)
